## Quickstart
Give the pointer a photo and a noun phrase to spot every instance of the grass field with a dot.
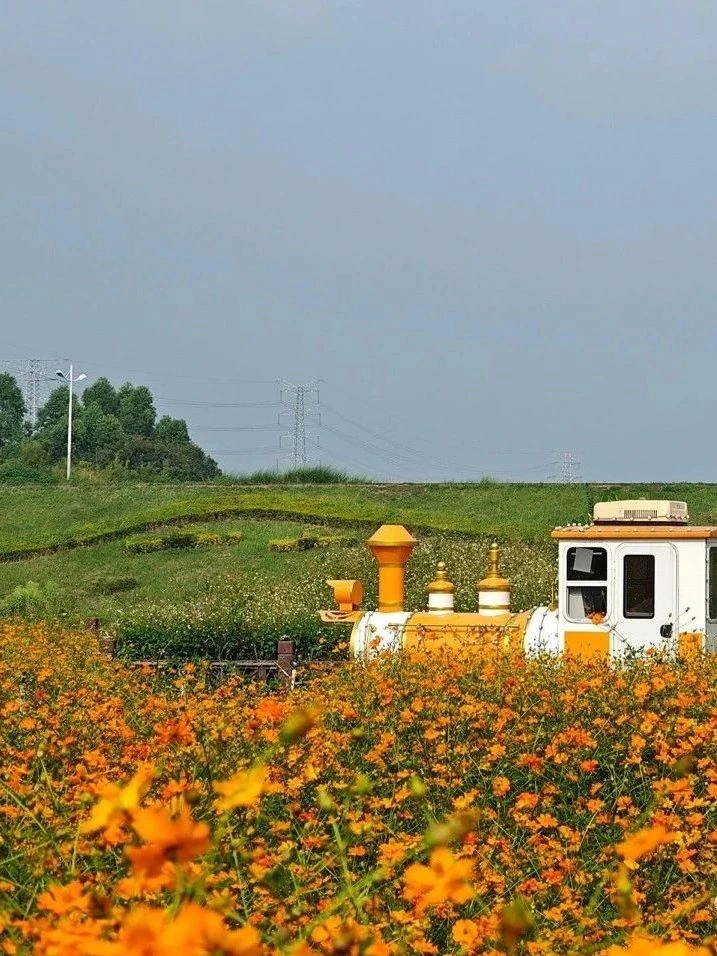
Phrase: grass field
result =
(50, 517)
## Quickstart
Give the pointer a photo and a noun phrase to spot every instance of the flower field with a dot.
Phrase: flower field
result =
(443, 806)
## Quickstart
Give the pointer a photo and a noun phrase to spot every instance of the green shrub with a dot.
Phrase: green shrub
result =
(205, 539)
(178, 539)
(284, 544)
(15, 473)
(237, 618)
(318, 475)
(145, 544)
(30, 599)
(304, 543)
(105, 583)
(339, 540)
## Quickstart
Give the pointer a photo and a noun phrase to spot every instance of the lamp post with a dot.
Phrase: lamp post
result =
(70, 380)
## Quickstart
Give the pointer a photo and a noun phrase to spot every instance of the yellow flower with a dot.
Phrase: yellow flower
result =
(241, 790)
(119, 801)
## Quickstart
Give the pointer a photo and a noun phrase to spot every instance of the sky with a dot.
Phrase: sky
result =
(484, 232)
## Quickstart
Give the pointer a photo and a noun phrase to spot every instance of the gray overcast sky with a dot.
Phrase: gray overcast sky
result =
(489, 228)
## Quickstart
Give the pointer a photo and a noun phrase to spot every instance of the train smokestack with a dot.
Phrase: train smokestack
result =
(391, 546)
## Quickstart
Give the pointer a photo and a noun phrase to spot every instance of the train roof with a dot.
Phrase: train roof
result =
(633, 531)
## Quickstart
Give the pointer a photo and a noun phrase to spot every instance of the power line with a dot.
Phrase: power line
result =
(241, 451)
(370, 431)
(236, 428)
(153, 377)
(350, 462)
(200, 404)
(399, 446)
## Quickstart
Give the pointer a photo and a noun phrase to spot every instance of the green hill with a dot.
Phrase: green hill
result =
(33, 518)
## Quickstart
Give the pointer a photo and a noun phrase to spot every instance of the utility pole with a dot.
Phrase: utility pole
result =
(296, 397)
(70, 379)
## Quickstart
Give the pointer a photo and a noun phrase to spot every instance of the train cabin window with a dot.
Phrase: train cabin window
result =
(712, 610)
(638, 586)
(586, 574)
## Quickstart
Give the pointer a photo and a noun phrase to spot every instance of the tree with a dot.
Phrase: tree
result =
(54, 439)
(55, 408)
(172, 431)
(12, 413)
(129, 435)
(103, 394)
(137, 413)
(109, 440)
(187, 463)
(33, 453)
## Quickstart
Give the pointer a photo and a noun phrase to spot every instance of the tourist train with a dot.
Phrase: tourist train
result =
(639, 576)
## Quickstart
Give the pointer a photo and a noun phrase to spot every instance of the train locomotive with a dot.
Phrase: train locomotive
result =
(639, 576)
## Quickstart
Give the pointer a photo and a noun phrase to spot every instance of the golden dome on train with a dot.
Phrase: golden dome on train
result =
(493, 580)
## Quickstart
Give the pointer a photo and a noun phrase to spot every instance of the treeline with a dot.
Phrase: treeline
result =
(112, 429)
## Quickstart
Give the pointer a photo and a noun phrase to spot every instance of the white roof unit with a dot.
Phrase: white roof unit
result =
(642, 510)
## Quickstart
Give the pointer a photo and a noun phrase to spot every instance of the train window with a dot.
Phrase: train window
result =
(712, 611)
(587, 564)
(587, 601)
(638, 585)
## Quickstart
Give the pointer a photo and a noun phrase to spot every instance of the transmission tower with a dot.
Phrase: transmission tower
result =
(33, 377)
(33, 374)
(297, 397)
(568, 465)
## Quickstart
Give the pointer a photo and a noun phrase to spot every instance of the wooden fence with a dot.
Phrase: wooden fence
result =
(282, 667)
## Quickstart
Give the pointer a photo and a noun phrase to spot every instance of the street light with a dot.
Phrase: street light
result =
(70, 380)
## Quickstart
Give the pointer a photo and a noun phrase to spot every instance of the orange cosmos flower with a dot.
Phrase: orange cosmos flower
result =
(241, 790)
(200, 932)
(648, 946)
(195, 931)
(444, 879)
(465, 933)
(140, 935)
(63, 899)
(501, 786)
(119, 802)
(178, 838)
(643, 842)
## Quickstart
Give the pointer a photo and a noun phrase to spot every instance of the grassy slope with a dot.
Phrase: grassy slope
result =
(72, 581)
(46, 517)
(180, 574)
